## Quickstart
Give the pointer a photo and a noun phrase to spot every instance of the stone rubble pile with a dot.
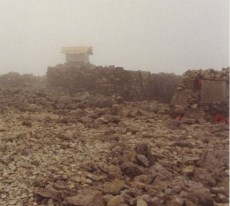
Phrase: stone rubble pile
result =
(130, 85)
(88, 150)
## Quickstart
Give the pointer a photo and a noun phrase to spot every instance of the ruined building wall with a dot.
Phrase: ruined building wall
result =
(131, 85)
(16, 80)
(204, 90)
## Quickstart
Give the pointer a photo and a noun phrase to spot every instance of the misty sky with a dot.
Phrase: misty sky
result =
(153, 35)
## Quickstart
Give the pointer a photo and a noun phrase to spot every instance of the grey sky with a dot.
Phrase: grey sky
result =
(153, 35)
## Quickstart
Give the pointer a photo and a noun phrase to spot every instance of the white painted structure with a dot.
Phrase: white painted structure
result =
(77, 54)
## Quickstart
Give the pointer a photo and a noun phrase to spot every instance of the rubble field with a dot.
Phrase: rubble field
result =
(92, 150)
(103, 136)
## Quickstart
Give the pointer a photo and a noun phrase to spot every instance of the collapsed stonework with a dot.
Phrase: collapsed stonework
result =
(203, 91)
(130, 85)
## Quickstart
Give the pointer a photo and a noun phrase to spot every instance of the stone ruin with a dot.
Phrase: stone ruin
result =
(197, 95)
(203, 94)
(109, 81)
(16, 80)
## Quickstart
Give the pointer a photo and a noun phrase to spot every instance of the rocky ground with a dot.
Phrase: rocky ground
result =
(89, 150)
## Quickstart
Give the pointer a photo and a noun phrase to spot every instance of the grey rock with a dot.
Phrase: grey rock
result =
(142, 160)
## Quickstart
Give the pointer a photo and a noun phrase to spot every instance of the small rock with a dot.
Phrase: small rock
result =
(161, 172)
(183, 143)
(27, 124)
(116, 109)
(146, 198)
(35, 163)
(114, 171)
(143, 149)
(104, 102)
(218, 190)
(130, 169)
(173, 124)
(116, 201)
(6, 159)
(188, 170)
(107, 197)
(222, 198)
(60, 185)
(174, 201)
(3, 196)
(141, 202)
(179, 109)
(155, 202)
(201, 197)
(142, 160)
(201, 175)
(113, 187)
(190, 159)
(188, 121)
(214, 160)
(85, 198)
(88, 181)
(12, 202)
(47, 193)
(189, 203)
(168, 191)
(141, 181)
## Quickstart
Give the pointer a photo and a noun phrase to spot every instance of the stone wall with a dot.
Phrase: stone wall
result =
(130, 85)
(15, 80)
(206, 90)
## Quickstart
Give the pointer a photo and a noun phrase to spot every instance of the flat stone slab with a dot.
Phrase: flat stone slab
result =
(86, 198)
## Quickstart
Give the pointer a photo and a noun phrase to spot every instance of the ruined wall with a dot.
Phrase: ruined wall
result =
(15, 80)
(131, 85)
(206, 90)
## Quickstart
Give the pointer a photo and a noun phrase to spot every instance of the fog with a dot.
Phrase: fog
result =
(153, 35)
